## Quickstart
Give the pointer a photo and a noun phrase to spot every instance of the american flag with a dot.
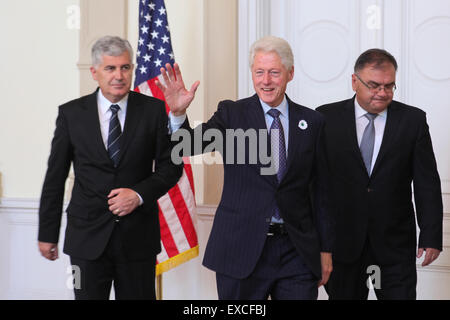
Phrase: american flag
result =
(176, 208)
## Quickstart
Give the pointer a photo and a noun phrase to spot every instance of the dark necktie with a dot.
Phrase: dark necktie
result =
(278, 148)
(114, 134)
(368, 141)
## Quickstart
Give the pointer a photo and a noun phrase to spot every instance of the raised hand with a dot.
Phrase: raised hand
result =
(178, 98)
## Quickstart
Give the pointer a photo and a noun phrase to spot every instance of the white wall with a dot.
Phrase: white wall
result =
(39, 56)
(39, 46)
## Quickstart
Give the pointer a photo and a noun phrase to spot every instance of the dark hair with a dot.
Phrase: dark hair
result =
(375, 56)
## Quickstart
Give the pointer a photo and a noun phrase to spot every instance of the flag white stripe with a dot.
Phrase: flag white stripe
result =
(145, 89)
(173, 223)
(188, 195)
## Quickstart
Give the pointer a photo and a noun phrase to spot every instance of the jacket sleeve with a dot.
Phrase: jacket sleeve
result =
(427, 190)
(52, 196)
(166, 173)
(324, 215)
(201, 139)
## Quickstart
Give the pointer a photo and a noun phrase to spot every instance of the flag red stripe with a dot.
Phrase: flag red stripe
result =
(166, 237)
(188, 169)
(183, 215)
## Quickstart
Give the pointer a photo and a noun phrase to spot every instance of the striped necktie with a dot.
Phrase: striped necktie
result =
(114, 134)
(278, 148)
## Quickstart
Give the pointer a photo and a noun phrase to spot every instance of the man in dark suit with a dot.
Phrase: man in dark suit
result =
(377, 147)
(271, 235)
(112, 219)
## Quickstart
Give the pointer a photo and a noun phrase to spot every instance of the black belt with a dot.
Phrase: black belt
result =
(276, 229)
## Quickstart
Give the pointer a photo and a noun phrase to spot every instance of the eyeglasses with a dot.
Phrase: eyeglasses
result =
(376, 87)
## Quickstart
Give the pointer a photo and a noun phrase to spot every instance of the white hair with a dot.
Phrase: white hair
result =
(109, 46)
(273, 44)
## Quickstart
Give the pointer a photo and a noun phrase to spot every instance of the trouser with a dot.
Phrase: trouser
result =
(280, 273)
(349, 281)
(132, 279)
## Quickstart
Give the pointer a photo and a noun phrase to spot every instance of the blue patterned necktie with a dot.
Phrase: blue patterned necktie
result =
(114, 134)
(278, 147)
(368, 141)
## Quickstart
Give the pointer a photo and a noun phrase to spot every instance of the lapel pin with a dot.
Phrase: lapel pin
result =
(303, 124)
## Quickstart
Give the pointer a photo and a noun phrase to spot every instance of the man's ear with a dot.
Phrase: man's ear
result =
(354, 80)
(291, 73)
(93, 73)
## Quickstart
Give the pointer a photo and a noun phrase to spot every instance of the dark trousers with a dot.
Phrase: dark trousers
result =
(349, 281)
(280, 273)
(132, 279)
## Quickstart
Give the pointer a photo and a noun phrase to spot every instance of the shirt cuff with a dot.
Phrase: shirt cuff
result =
(141, 202)
(175, 122)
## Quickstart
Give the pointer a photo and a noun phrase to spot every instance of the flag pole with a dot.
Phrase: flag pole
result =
(159, 287)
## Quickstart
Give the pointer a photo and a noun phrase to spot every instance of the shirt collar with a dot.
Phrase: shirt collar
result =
(283, 107)
(360, 112)
(104, 104)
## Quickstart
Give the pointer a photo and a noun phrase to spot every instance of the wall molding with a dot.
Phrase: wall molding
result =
(254, 17)
(44, 280)
(31, 206)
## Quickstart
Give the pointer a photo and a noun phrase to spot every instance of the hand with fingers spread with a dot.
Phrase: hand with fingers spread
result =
(178, 98)
(430, 255)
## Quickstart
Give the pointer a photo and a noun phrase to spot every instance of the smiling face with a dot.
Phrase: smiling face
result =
(114, 76)
(270, 77)
(374, 101)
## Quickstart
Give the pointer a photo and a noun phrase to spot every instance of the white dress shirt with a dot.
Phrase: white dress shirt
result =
(361, 124)
(105, 113)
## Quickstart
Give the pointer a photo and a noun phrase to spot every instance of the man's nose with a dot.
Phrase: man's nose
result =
(118, 74)
(382, 91)
(267, 78)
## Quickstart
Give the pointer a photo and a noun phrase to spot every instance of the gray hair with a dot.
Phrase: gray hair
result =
(109, 46)
(273, 44)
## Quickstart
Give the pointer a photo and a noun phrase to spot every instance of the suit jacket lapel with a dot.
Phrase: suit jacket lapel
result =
(349, 122)
(255, 114)
(295, 134)
(392, 124)
(132, 120)
(93, 125)
(256, 120)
